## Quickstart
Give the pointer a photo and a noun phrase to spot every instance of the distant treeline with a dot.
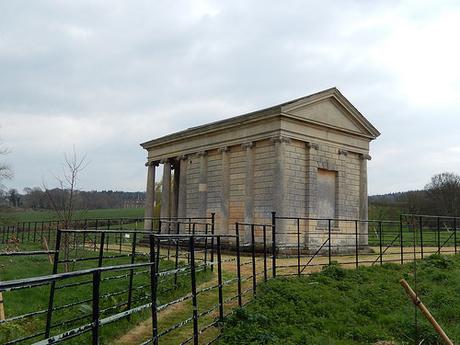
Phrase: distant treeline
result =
(39, 199)
(440, 197)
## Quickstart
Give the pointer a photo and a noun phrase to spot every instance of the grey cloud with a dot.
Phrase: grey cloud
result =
(107, 75)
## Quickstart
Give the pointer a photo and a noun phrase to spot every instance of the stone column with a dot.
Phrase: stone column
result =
(182, 195)
(280, 187)
(166, 191)
(248, 190)
(149, 195)
(175, 195)
(225, 193)
(363, 200)
(203, 184)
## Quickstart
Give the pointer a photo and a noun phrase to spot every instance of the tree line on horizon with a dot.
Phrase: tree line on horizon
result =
(39, 199)
(441, 196)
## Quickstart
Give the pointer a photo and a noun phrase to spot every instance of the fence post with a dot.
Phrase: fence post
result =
(274, 244)
(23, 231)
(213, 229)
(380, 242)
(219, 281)
(153, 288)
(131, 274)
(439, 234)
(85, 227)
(455, 235)
(101, 250)
(158, 256)
(329, 230)
(49, 232)
(120, 239)
(193, 280)
(253, 250)
(356, 244)
(298, 246)
(53, 285)
(205, 247)
(176, 260)
(421, 235)
(108, 234)
(95, 314)
(169, 238)
(401, 243)
(265, 252)
(238, 266)
(35, 231)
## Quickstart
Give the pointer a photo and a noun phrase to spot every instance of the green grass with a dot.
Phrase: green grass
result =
(363, 306)
(29, 300)
(33, 216)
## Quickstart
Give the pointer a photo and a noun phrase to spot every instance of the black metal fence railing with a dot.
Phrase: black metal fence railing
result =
(308, 242)
(109, 301)
(104, 276)
(36, 231)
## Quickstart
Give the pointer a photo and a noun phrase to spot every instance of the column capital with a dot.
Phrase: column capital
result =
(343, 152)
(202, 153)
(151, 164)
(365, 156)
(248, 145)
(312, 145)
(181, 158)
(165, 160)
(223, 149)
(280, 139)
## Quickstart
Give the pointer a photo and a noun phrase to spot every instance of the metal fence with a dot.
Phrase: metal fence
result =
(38, 231)
(119, 273)
(184, 256)
(302, 242)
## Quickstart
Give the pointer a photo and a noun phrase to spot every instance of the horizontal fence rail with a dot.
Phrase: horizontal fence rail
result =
(107, 272)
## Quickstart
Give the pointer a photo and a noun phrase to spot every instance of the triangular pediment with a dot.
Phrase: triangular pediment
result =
(330, 109)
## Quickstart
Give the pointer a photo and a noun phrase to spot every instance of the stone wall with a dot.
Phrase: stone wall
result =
(301, 162)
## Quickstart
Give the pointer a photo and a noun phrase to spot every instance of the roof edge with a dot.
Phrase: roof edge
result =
(255, 115)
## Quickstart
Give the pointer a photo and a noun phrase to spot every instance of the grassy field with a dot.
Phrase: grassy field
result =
(35, 299)
(339, 306)
(32, 216)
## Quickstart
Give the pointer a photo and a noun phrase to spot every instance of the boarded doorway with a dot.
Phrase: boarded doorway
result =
(327, 195)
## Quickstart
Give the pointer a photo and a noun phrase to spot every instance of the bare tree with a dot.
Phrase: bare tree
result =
(6, 172)
(63, 203)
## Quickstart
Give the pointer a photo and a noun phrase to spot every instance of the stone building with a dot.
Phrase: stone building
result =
(306, 157)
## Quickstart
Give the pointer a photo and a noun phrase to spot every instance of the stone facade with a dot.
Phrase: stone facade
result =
(304, 158)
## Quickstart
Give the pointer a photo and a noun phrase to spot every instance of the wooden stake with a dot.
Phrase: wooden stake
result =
(2, 309)
(425, 312)
(45, 244)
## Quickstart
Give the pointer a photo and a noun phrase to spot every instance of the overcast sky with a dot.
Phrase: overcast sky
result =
(107, 75)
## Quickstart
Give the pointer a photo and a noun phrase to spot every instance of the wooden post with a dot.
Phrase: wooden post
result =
(2, 309)
(425, 312)
(45, 244)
